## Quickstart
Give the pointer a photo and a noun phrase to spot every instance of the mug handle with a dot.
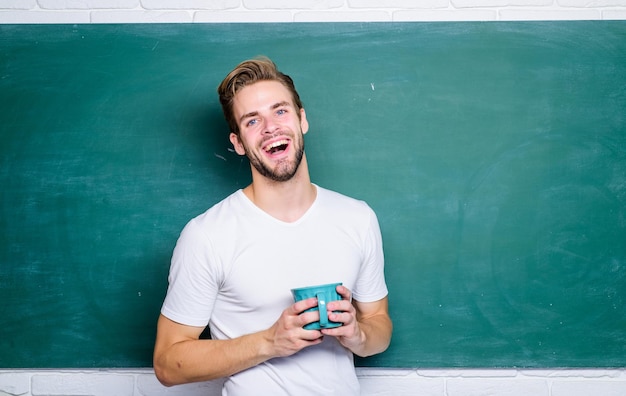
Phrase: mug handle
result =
(321, 304)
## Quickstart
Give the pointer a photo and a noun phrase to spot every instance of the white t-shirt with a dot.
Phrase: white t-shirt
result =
(234, 266)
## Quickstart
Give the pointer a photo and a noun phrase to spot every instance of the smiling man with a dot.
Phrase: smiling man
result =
(233, 266)
(281, 141)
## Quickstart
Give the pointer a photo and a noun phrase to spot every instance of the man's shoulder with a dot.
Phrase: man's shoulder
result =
(339, 198)
(220, 211)
(343, 204)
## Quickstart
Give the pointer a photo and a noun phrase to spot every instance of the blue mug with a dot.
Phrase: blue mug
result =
(324, 294)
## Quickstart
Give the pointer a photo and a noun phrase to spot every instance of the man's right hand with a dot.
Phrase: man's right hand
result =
(287, 336)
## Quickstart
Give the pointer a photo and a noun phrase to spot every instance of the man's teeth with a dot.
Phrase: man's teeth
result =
(276, 144)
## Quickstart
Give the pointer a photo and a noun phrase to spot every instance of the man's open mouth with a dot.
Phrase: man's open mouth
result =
(276, 147)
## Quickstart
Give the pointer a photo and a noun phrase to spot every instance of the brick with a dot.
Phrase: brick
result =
(614, 14)
(443, 15)
(17, 4)
(190, 4)
(243, 16)
(402, 4)
(44, 17)
(87, 4)
(290, 4)
(500, 3)
(588, 387)
(342, 16)
(148, 385)
(81, 384)
(592, 3)
(133, 16)
(496, 387)
(402, 386)
(478, 3)
(14, 383)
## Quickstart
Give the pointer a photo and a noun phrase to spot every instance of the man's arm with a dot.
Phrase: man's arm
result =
(367, 326)
(375, 323)
(180, 357)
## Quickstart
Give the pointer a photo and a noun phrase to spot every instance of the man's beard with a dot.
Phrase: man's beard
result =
(284, 171)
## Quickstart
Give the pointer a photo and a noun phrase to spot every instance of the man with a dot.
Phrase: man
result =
(233, 267)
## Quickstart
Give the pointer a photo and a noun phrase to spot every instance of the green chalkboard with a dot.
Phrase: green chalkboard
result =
(493, 153)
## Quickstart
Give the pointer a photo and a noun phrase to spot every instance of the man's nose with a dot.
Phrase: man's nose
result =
(269, 126)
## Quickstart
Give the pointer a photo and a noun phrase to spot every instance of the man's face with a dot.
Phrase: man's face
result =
(271, 129)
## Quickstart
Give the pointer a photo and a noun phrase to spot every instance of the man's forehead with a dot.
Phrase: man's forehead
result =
(261, 95)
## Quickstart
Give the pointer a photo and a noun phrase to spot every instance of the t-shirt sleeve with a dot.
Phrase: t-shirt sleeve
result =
(193, 278)
(371, 285)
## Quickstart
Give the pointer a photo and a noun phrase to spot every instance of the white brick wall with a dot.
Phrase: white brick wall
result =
(374, 382)
(186, 11)
(378, 382)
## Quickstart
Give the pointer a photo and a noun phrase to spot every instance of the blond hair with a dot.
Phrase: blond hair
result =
(246, 73)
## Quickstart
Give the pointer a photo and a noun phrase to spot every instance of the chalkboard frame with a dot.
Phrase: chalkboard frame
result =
(493, 153)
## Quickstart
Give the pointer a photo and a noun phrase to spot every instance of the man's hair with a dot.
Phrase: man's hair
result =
(247, 73)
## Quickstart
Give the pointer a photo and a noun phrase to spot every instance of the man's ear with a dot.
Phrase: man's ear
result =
(304, 123)
(234, 139)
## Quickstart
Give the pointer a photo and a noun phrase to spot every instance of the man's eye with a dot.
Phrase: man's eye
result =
(251, 123)
(281, 111)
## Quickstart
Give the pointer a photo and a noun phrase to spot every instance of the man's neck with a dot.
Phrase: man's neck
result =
(286, 201)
